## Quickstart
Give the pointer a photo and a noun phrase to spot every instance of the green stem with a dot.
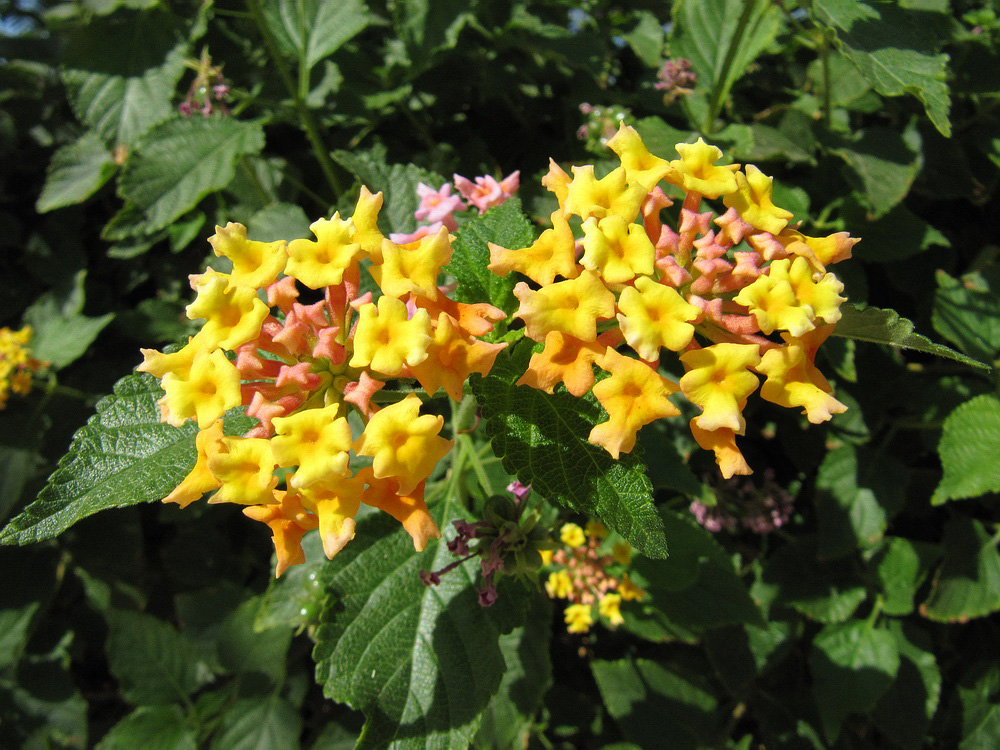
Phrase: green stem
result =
(306, 119)
(721, 88)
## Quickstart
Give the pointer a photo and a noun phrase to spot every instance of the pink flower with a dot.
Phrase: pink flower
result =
(405, 239)
(438, 205)
(486, 192)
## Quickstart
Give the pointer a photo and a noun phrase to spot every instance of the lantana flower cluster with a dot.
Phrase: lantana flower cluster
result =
(16, 363)
(301, 368)
(736, 295)
(745, 505)
(591, 580)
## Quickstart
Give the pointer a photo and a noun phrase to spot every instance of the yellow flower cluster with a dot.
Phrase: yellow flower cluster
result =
(711, 295)
(16, 363)
(585, 577)
(302, 368)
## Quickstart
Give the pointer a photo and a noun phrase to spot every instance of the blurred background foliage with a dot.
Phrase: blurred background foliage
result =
(129, 128)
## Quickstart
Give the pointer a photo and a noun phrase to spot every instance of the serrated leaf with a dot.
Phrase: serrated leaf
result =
(895, 50)
(269, 723)
(878, 326)
(153, 663)
(656, 705)
(709, 34)
(852, 666)
(151, 728)
(62, 333)
(397, 183)
(421, 662)
(76, 172)
(279, 221)
(314, 29)
(967, 313)
(970, 444)
(506, 226)
(179, 162)
(541, 439)
(967, 584)
(123, 456)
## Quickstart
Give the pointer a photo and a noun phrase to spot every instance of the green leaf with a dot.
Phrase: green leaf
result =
(970, 444)
(852, 666)
(62, 333)
(661, 138)
(904, 713)
(125, 44)
(314, 29)
(967, 312)
(427, 26)
(696, 588)
(895, 50)
(541, 439)
(76, 172)
(279, 221)
(967, 584)
(506, 226)
(880, 326)
(247, 650)
(658, 706)
(901, 565)
(397, 183)
(721, 38)
(528, 675)
(153, 663)
(151, 728)
(123, 456)
(646, 39)
(269, 723)
(980, 711)
(884, 164)
(179, 162)
(794, 576)
(858, 492)
(421, 662)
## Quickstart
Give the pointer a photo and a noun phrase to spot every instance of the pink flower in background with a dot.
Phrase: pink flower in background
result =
(437, 206)
(404, 239)
(486, 192)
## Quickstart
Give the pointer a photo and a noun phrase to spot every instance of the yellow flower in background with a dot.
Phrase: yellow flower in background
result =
(559, 585)
(578, 618)
(609, 607)
(572, 535)
(16, 363)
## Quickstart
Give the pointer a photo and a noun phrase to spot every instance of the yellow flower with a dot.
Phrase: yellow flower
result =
(587, 196)
(622, 553)
(451, 357)
(246, 470)
(640, 166)
(654, 315)
(752, 201)
(317, 441)
(408, 508)
(552, 254)
(695, 171)
(619, 251)
(563, 360)
(233, 314)
(413, 268)
(793, 380)
(572, 535)
(609, 607)
(335, 505)
(571, 307)
(365, 220)
(403, 444)
(578, 618)
(288, 522)
(200, 479)
(386, 339)
(559, 585)
(789, 299)
(209, 388)
(596, 530)
(717, 380)
(323, 262)
(255, 264)
(629, 591)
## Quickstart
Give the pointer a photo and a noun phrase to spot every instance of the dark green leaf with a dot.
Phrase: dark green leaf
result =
(62, 333)
(541, 439)
(887, 327)
(151, 728)
(76, 172)
(901, 566)
(904, 713)
(421, 662)
(646, 39)
(967, 584)
(123, 456)
(980, 711)
(279, 221)
(970, 444)
(153, 663)
(179, 162)
(314, 29)
(506, 226)
(269, 723)
(656, 706)
(852, 666)
(245, 650)
(884, 164)
(397, 183)
(967, 313)
(661, 138)
(126, 44)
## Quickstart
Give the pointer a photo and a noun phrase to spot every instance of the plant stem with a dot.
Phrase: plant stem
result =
(306, 119)
(721, 87)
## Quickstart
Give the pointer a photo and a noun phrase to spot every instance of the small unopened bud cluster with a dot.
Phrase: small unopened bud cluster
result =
(747, 505)
(675, 79)
(589, 577)
(209, 91)
(600, 125)
(508, 542)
